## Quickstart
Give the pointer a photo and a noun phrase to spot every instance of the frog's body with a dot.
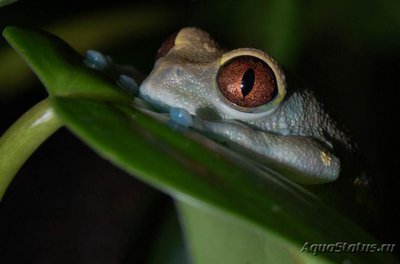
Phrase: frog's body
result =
(239, 97)
(294, 130)
(196, 77)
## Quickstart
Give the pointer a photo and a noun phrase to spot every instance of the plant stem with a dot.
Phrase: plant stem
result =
(23, 138)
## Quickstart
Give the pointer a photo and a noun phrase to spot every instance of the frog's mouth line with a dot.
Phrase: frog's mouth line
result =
(158, 105)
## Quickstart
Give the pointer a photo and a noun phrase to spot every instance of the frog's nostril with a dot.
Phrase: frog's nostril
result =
(178, 71)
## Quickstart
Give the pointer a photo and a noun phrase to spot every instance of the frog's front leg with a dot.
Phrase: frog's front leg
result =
(315, 163)
(123, 75)
(311, 161)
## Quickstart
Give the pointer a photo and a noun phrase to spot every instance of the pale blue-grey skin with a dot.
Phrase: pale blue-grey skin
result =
(296, 133)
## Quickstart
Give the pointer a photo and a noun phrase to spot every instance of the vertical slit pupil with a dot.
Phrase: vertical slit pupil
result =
(247, 82)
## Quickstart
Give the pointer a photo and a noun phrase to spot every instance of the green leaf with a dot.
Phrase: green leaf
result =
(23, 138)
(195, 174)
(6, 2)
(231, 210)
(59, 67)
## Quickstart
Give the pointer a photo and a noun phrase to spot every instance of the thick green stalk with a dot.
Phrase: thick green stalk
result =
(23, 138)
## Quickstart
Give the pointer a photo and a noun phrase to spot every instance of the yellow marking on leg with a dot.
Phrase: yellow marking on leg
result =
(325, 158)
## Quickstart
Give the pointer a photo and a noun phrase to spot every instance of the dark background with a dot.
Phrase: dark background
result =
(69, 205)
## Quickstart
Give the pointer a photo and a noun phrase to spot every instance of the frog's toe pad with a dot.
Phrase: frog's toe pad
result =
(181, 117)
(128, 84)
(96, 60)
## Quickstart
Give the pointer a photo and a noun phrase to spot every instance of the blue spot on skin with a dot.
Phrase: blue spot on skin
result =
(181, 117)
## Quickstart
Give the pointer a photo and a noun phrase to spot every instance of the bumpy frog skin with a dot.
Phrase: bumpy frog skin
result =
(240, 96)
(291, 128)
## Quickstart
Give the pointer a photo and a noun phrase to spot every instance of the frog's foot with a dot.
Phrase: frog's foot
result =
(121, 74)
(97, 60)
(128, 84)
(181, 117)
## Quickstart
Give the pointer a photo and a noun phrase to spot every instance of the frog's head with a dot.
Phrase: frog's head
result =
(194, 73)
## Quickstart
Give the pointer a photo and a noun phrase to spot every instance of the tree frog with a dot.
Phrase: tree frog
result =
(242, 98)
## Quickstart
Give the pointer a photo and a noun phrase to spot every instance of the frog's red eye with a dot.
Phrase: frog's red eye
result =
(247, 81)
(166, 46)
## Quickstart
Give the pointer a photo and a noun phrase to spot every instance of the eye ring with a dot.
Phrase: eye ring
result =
(249, 80)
